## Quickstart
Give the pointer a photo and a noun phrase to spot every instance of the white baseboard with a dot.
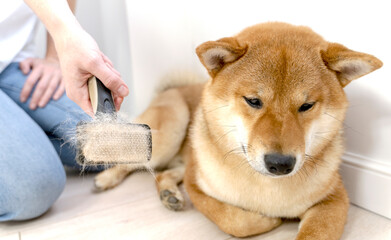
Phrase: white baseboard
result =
(368, 183)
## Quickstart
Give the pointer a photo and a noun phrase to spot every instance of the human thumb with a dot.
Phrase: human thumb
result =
(25, 65)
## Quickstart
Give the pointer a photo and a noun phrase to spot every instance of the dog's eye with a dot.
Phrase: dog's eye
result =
(254, 102)
(306, 107)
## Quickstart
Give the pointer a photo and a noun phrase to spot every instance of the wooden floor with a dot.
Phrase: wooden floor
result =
(133, 211)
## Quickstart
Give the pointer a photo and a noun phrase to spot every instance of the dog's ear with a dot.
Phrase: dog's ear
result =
(214, 55)
(348, 64)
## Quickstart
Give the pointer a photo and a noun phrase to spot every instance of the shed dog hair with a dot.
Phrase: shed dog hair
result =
(262, 139)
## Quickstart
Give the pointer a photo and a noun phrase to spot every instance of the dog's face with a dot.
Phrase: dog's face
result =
(276, 94)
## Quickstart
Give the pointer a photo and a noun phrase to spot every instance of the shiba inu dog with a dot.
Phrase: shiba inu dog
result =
(262, 139)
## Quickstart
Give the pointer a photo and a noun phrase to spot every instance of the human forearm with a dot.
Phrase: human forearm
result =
(72, 5)
(56, 15)
(50, 47)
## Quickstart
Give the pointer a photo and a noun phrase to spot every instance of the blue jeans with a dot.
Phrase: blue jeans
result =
(34, 145)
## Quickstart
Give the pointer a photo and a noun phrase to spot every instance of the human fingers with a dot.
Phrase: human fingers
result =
(31, 80)
(109, 78)
(51, 87)
(26, 65)
(110, 64)
(81, 97)
(118, 102)
(39, 90)
(59, 92)
(114, 70)
(107, 60)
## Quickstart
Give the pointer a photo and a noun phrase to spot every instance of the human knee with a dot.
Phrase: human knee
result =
(32, 196)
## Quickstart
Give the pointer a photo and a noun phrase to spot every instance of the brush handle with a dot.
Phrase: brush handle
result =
(100, 97)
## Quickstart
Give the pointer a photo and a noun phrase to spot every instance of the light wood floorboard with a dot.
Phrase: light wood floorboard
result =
(133, 211)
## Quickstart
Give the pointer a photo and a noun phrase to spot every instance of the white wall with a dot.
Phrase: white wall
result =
(164, 34)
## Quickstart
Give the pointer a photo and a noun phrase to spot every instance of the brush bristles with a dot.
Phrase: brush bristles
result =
(107, 141)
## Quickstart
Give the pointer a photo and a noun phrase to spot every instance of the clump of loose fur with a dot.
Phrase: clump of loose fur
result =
(109, 139)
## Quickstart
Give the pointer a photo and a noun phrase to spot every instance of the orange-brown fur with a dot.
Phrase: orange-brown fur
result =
(224, 140)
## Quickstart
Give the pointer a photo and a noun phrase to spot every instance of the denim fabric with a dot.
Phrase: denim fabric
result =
(34, 145)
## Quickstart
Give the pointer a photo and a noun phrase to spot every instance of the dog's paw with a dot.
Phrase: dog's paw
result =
(106, 180)
(173, 200)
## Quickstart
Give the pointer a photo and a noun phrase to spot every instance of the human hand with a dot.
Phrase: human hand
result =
(80, 58)
(79, 55)
(46, 74)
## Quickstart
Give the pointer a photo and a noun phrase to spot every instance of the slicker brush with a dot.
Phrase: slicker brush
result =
(107, 139)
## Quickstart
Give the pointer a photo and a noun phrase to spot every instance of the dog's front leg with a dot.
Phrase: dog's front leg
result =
(326, 219)
(231, 219)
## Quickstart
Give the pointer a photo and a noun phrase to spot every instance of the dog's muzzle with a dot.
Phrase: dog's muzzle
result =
(279, 164)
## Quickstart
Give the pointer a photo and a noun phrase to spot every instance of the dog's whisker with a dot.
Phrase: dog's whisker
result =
(301, 175)
(232, 126)
(317, 136)
(344, 124)
(225, 134)
(222, 125)
(224, 100)
(237, 150)
(228, 154)
(350, 106)
(313, 164)
(314, 160)
(305, 171)
(231, 151)
(324, 132)
(328, 114)
(241, 164)
(244, 148)
(209, 111)
(335, 130)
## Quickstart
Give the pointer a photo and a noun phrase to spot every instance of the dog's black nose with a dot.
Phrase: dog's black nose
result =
(279, 164)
